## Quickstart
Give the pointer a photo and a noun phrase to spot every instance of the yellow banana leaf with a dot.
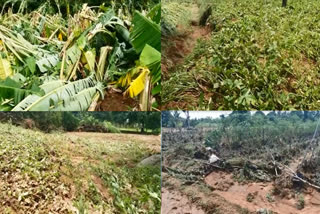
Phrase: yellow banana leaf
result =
(125, 80)
(60, 37)
(5, 68)
(137, 86)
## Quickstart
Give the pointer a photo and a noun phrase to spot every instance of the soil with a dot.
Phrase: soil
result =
(176, 203)
(115, 101)
(237, 193)
(193, 199)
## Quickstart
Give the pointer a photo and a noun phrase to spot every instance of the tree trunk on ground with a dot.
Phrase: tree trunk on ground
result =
(284, 3)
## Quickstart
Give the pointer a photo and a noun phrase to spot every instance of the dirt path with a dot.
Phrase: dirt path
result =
(181, 45)
(237, 193)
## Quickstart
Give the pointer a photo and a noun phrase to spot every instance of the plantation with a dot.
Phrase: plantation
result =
(251, 55)
(58, 55)
(76, 172)
(244, 162)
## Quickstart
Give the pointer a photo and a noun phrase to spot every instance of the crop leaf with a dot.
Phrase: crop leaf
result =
(47, 62)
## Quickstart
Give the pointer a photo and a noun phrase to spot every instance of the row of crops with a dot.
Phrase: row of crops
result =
(60, 56)
(259, 55)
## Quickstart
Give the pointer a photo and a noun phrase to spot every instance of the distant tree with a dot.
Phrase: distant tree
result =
(153, 120)
(167, 119)
(69, 121)
(187, 121)
(284, 3)
(176, 118)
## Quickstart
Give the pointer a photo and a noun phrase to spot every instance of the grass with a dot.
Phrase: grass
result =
(89, 173)
(259, 56)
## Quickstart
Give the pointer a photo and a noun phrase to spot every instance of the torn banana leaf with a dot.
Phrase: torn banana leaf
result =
(47, 62)
(63, 97)
(151, 58)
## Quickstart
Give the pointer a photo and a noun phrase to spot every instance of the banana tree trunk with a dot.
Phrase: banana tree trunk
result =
(145, 96)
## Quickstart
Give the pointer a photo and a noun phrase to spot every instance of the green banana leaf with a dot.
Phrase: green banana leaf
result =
(155, 13)
(151, 58)
(10, 88)
(63, 97)
(47, 62)
(144, 32)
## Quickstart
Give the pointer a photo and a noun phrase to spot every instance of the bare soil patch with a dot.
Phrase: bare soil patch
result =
(115, 101)
(237, 193)
(174, 202)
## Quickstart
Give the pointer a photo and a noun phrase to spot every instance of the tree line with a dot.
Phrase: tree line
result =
(242, 129)
(70, 121)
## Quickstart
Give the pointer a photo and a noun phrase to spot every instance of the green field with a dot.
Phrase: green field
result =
(258, 55)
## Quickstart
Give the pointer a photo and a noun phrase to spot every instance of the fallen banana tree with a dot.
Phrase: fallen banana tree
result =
(51, 64)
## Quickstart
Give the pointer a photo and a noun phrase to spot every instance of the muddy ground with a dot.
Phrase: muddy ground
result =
(237, 183)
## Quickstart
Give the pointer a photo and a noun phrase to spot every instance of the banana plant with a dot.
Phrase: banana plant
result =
(145, 79)
(68, 69)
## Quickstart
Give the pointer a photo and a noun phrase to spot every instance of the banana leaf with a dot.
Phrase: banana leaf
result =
(151, 58)
(11, 89)
(47, 62)
(62, 97)
(155, 13)
(5, 68)
(144, 32)
(138, 85)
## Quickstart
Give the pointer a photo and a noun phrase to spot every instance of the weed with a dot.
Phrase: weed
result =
(300, 203)
(270, 198)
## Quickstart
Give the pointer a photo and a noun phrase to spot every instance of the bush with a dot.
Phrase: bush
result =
(111, 128)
